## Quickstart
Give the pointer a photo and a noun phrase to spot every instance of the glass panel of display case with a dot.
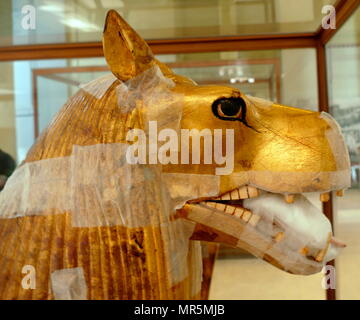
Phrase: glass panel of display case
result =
(33, 91)
(343, 55)
(286, 76)
(23, 91)
(61, 21)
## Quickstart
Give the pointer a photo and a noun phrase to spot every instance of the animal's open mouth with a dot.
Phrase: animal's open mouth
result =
(288, 231)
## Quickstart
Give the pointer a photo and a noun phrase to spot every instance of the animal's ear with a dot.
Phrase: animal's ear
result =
(126, 53)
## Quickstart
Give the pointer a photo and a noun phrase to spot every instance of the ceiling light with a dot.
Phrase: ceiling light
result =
(52, 7)
(80, 24)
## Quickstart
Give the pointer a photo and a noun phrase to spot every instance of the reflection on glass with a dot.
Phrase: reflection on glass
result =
(266, 74)
(287, 76)
(256, 77)
(7, 114)
(344, 90)
(281, 75)
(59, 21)
(33, 91)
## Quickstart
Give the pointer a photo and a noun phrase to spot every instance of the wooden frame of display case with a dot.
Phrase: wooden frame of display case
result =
(316, 40)
(53, 73)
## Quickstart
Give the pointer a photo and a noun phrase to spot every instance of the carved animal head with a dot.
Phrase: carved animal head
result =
(148, 163)
(256, 201)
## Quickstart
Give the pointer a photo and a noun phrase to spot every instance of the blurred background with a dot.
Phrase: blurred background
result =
(42, 65)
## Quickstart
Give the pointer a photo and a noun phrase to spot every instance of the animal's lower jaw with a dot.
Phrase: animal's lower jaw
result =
(295, 237)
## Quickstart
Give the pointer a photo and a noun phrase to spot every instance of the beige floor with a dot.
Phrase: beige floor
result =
(251, 278)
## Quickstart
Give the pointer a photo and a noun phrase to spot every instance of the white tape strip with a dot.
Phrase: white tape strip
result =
(99, 87)
(99, 188)
(69, 284)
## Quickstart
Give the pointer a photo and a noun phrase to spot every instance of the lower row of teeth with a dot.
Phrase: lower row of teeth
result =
(250, 218)
(244, 214)
(246, 192)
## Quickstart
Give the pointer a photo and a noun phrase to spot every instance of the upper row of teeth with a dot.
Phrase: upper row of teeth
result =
(246, 192)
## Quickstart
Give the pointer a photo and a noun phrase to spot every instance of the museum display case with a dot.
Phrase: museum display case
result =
(255, 46)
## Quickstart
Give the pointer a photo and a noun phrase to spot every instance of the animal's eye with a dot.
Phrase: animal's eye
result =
(229, 108)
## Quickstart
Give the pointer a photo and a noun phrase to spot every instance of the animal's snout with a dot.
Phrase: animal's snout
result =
(295, 151)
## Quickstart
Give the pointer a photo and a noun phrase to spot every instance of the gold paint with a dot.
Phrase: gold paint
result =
(121, 43)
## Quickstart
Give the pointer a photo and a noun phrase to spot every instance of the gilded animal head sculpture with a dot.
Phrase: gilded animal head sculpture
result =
(139, 166)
